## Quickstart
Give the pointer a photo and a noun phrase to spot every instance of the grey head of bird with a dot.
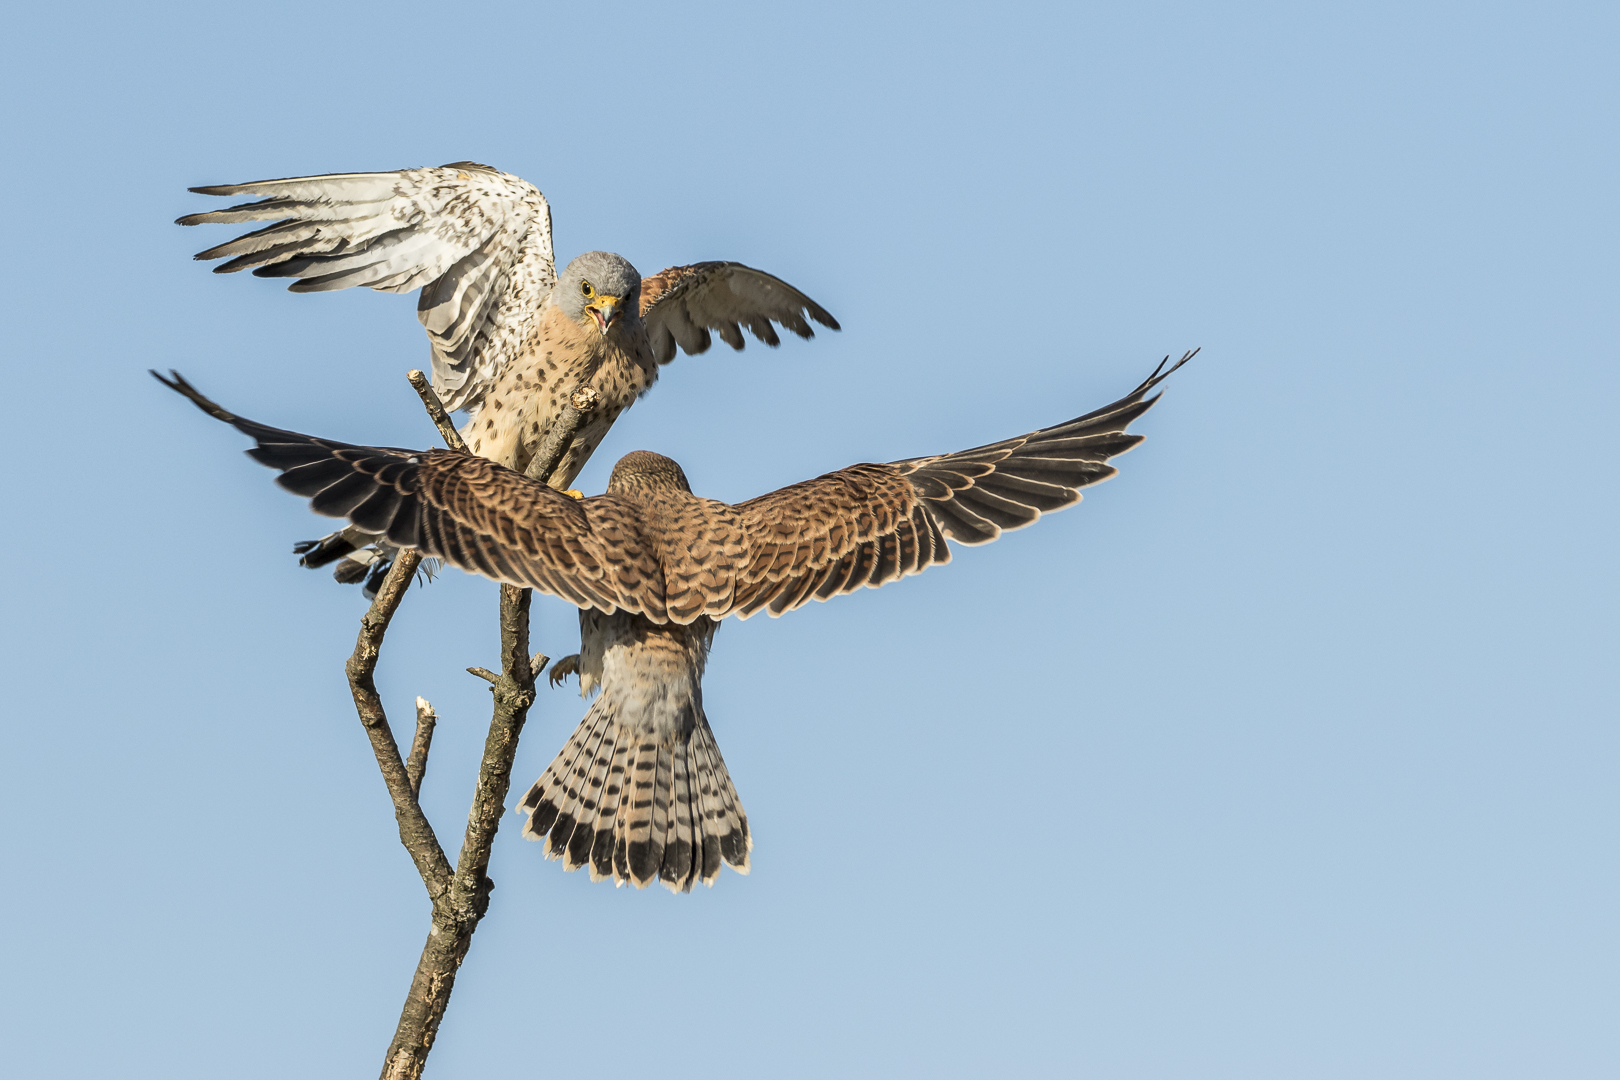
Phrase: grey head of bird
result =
(642, 472)
(601, 289)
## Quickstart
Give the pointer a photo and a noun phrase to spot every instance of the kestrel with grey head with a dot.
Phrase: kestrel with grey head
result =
(510, 339)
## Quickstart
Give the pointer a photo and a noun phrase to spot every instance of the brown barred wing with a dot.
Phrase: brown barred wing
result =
(469, 511)
(682, 304)
(860, 526)
(975, 495)
(868, 524)
(594, 553)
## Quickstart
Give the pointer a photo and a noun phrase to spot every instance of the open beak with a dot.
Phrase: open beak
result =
(604, 309)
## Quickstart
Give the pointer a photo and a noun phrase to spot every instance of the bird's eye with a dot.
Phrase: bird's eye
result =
(586, 290)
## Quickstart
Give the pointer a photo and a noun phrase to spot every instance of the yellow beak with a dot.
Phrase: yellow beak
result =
(604, 309)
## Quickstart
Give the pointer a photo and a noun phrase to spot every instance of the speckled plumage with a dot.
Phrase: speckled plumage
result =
(560, 356)
(653, 567)
(475, 240)
(510, 340)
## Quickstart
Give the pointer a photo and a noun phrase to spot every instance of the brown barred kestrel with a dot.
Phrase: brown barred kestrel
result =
(640, 792)
(510, 340)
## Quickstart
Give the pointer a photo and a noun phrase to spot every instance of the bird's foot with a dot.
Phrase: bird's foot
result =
(574, 493)
(568, 665)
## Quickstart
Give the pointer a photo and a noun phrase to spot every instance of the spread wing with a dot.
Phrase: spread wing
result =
(682, 304)
(871, 524)
(861, 526)
(475, 240)
(470, 512)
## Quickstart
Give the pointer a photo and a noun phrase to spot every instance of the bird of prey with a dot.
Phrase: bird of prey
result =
(640, 792)
(510, 340)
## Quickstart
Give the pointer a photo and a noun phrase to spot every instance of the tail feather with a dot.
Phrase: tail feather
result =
(544, 799)
(708, 834)
(618, 768)
(633, 847)
(730, 823)
(594, 785)
(677, 871)
(627, 805)
(710, 814)
(576, 809)
(663, 798)
(579, 810)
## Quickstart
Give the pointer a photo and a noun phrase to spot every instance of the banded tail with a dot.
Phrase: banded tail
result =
(625, 804)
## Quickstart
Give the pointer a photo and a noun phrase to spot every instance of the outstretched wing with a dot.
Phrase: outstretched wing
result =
(475, 240)
(861, 526)
(468, 511)
(871, 524)
(682, 304)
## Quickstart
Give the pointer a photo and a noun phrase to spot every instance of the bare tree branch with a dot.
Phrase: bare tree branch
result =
(435, 408)
(414, 831)
(416, 764)
(550, 450)
(462, 898)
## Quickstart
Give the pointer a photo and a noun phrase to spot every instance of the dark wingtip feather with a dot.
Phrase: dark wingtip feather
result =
(973, 496)
(177, 382)
(1159, 374)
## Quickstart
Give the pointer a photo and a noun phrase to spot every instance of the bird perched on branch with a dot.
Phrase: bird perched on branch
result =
(510, 340)
(640, 792)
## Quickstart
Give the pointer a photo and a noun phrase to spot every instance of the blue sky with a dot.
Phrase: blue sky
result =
(1290, 752)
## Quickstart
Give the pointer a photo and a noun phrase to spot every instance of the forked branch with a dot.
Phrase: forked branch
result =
(460, 896)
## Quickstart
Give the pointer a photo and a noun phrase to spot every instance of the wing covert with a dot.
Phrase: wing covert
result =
(860, 526)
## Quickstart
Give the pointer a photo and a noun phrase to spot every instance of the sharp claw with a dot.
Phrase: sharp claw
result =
(568, 665)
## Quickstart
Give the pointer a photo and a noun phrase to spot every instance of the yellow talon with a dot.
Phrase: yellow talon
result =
(574, 493)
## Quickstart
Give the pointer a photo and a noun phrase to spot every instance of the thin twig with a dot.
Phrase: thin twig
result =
(435, 408)
(416, 764)
(550, 450)
(414, 831)
(458, 909)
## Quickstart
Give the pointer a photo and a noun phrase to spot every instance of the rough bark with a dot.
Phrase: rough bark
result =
(460, 897)
(414, 830)
(435, 409)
